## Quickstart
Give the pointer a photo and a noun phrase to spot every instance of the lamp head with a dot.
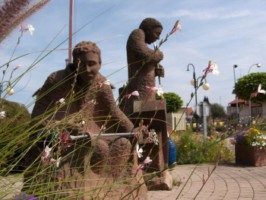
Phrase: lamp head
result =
(235, 66)
(191, 66)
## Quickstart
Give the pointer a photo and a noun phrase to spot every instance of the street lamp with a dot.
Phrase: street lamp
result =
(237, 108)
(250, 103)
(256, 64)
(196, 85)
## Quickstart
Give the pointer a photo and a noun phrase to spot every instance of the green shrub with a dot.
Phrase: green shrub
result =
(13, 141)
(192, 148)
(220, 128)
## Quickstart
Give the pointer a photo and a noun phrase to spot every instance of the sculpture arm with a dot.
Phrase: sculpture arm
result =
(116, 120)
(136, 45)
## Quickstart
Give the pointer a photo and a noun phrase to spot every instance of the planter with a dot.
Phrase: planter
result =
(252, 156)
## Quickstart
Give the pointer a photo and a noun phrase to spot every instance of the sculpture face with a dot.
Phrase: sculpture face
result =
(88, 65)
(153, 35)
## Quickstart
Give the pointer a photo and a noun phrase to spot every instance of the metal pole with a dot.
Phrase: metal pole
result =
(256, 64)
(78, 137)
(70, 31)
(195, 88)
(250, 102)
(237, 108)
(204, 110)
(196, 98)
(1, 90)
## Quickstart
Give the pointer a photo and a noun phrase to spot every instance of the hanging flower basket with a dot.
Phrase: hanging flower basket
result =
(251, 156)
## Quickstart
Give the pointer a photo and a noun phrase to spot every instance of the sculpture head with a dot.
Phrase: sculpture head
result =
(152, 29)
(87, 60)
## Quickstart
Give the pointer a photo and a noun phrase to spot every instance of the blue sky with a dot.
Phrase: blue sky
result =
(227, 32)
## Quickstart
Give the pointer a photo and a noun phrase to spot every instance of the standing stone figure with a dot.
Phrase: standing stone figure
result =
(143, 67)
(78, 101)
(142, 63)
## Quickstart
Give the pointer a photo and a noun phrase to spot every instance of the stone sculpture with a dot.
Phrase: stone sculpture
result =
(78, 102)
(143, 67)
(142, 63)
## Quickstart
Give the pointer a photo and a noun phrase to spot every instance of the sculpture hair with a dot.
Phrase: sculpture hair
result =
(85, 47)
(150, 23)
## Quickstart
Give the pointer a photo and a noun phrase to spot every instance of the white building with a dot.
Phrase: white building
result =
(177, 121)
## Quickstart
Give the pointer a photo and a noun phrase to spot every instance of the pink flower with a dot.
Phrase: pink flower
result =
(158, 90)
(134, 93)
(232, 140)
(145, 162)
(17, 67)
(176, 27)
(212, 67)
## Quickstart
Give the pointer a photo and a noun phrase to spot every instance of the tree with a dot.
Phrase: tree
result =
(217, 111)
(14, 122)
(173, 102)
(248, 84)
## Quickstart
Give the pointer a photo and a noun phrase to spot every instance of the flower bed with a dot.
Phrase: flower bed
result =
(250, 147)
(251, 156)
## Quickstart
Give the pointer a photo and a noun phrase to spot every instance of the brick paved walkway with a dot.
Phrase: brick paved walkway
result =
(227, 182)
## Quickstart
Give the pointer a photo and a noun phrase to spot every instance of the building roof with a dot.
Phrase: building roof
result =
(189, 111)
(235, 101)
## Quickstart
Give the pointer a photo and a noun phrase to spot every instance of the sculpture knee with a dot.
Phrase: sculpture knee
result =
(100, 155)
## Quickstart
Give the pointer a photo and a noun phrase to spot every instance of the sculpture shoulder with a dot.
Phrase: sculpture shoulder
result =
(136, 35)
(100, 77)
(58, 76)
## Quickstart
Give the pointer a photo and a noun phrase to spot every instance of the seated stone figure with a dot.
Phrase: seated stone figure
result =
(78, 102)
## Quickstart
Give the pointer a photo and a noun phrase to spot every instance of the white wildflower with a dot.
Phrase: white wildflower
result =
(214, 68)
(2, 114)
(61, 101)
(30, 29)
(139, 151)
(160, 91)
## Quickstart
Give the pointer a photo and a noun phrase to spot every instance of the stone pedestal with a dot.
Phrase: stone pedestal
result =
(153, 114)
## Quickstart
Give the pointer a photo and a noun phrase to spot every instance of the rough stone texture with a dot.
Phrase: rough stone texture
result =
(93, 168)
(142, 64)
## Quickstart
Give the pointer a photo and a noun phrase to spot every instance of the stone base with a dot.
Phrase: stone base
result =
(162, 181)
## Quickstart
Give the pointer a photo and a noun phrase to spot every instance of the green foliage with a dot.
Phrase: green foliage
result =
(217, 111)
(12, 141)
(249, 84)
(191, 148)
(173, 102)
(220, 128)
